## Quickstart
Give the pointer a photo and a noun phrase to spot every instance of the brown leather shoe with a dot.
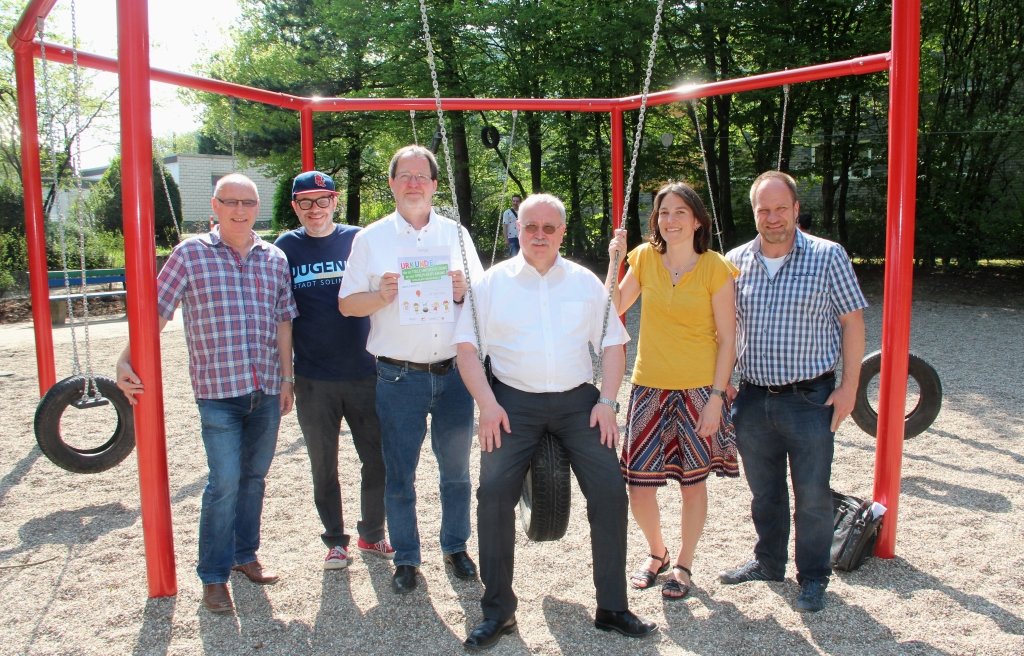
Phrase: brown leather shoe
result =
(217, 599)
(255, 573)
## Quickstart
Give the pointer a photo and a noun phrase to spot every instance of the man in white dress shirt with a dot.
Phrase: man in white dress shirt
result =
(416, 372)
(539, 316)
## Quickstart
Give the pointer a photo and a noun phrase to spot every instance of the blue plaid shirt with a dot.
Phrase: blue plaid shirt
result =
(787, 327)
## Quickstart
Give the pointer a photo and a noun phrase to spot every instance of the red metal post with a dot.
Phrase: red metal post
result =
(618, 192)
(899, 263)
(306, 139)
(35, 222)
(140, 270)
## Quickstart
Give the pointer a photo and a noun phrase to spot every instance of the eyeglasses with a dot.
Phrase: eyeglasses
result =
(406, 178)
(232, 202)
(531, 228)
(307, 203)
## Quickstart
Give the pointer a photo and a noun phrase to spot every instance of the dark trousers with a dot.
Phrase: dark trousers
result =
(321, 405)
(773, 430)
(567, 416)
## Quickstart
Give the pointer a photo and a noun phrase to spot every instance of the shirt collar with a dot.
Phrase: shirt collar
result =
(213, 239)
(519, 265)
(798, 243)
(402, 225)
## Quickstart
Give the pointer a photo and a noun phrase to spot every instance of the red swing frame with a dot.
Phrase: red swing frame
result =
(134, 72)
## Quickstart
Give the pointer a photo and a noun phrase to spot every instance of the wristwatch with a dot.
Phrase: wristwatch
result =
(614, 405)
(288, 379)
(720, 393)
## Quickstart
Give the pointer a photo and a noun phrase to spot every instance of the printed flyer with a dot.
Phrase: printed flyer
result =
(424, 288)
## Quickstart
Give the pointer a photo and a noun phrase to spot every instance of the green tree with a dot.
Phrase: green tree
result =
(105, 202)
(971, 194)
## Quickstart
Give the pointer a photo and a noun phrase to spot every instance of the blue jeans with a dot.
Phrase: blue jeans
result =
(404, 399)
(513, 246)
(771, 429)
(240, 435)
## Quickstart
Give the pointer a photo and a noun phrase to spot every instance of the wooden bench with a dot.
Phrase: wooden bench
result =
(59, 303)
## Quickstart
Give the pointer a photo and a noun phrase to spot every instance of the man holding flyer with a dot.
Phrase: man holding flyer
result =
(410, 335)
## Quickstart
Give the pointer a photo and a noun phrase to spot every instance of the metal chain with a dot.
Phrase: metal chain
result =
(170, 205)
(782, 132)
(614, 281)
(51, 120)
(504, 186)
(451, 177)
(231, 107)
(412, 119)
(715, 227)
(90, 389)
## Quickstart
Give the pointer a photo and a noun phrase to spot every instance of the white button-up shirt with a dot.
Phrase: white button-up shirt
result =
(375, 251)
(538, 329)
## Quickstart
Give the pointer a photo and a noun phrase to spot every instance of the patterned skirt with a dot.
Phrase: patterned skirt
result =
(662, 440)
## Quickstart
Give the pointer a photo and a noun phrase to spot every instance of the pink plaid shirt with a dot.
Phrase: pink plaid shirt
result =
(231, 311)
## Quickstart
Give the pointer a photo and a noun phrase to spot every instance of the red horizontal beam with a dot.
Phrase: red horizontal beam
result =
(63, 54)
(857, 66)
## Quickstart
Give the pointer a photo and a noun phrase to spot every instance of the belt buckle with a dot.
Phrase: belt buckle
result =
(774, 389)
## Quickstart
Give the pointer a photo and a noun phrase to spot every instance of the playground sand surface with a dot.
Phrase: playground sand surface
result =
(73, 573)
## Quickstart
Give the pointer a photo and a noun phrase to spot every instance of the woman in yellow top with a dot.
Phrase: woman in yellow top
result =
(678, 425)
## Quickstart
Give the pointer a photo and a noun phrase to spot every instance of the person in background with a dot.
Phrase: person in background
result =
(510, 222)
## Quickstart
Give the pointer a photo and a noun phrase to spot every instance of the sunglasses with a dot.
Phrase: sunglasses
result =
(307, 203)
(531, 228)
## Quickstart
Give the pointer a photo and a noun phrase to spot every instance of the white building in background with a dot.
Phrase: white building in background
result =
(196, 176)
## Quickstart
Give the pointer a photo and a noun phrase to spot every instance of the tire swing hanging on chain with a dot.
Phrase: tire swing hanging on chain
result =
(546, 496)
(82, 391)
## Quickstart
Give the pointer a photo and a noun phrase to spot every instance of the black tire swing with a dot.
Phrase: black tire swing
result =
(88, 391)
(72, 391)
(921, 417)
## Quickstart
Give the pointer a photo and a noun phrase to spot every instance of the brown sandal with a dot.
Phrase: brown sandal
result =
(673, 589)
(646, 576)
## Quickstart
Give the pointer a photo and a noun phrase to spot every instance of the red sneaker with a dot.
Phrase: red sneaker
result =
(381, 549)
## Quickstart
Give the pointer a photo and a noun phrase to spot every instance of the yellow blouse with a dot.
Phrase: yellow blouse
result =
(677, 345)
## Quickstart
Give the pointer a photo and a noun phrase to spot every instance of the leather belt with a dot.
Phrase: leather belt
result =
(793, 388)
(439, 368)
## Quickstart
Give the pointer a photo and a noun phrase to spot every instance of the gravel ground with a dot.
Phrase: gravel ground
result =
(73, 577)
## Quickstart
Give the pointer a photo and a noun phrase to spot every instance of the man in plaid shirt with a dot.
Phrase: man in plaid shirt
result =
(235, 292)
(799, 309)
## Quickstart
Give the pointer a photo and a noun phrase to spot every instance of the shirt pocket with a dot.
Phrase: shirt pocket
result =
(574, 317)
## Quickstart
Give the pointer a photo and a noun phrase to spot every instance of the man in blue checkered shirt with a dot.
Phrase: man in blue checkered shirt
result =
(799, 309)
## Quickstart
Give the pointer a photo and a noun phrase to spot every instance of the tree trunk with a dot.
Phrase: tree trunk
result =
(354, 175)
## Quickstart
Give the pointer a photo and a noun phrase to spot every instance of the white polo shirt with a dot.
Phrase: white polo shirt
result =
(538, 329)
(375, 251)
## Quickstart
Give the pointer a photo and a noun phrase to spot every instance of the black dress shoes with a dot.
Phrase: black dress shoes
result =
(404, 580)
(488, 633)
(461, 564)
(624, 622)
